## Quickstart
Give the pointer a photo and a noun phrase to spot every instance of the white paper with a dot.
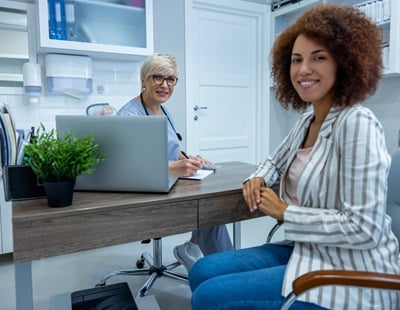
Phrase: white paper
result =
(200, 175)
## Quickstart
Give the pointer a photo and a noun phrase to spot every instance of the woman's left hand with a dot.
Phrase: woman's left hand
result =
(271, 204)
(202, 160)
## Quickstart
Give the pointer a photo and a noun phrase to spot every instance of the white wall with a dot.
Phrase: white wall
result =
(119, 79)
(385, 104)
(169, 37)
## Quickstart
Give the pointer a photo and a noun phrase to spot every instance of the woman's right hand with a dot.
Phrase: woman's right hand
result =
(185, 167)
(252, 193)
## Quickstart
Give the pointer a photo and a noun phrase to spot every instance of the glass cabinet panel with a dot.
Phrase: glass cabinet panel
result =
(96, 27)
(13, 54)
(109, 23)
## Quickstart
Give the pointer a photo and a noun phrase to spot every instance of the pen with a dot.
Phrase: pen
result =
(186, 155)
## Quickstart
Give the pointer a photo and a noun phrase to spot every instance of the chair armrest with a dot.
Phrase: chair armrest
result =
(272, 232)
(348, 278)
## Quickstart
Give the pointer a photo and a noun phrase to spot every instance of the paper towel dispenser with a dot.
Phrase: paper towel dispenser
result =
(69, 74)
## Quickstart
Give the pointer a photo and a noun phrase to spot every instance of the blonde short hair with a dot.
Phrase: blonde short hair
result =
(158, 62)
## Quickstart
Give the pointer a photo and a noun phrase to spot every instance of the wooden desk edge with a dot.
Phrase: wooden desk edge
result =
(32, 224)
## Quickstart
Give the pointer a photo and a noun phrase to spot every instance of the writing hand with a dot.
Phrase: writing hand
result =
(203, 161)
(185, 167)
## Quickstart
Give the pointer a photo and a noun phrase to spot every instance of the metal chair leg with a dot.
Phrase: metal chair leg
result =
(289, 300)
(156, 269)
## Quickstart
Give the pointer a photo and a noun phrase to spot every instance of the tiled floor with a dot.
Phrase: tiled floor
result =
(61, 275)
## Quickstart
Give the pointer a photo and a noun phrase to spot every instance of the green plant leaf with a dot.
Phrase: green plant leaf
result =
(56, 158)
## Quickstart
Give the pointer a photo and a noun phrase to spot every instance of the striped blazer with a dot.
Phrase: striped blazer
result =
(341, 221)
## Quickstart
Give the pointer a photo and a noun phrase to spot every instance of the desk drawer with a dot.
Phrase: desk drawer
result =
(223, 210)
(72, 233)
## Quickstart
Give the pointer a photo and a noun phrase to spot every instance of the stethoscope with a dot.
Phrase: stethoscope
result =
(178, 135)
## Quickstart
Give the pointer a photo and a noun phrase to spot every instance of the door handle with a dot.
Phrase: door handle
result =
(196, 108)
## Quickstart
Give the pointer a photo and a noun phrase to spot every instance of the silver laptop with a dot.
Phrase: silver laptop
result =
(135, 147)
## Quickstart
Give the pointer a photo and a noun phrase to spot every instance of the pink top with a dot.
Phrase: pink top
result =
(294, 172)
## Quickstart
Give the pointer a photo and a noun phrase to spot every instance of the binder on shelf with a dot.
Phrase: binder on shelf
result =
(10, 128)
(12, 140)
(60, 20)
(52, 19)
(3, 142)
(8, 137)
(19, 181)
(57, 27)
(70, 27)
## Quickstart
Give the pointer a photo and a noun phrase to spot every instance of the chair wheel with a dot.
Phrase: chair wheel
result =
(140, 263)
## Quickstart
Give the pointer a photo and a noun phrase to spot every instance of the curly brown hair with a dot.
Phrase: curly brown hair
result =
(352, 39)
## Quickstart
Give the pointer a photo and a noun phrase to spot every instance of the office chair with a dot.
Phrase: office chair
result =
(373, 280)
(155, 270)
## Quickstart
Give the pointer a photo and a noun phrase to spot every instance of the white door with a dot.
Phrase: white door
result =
(226, 70)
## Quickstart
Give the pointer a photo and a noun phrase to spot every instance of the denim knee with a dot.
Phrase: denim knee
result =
(197, 274)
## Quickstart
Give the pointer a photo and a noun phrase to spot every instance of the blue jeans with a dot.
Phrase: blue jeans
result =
(249, 278)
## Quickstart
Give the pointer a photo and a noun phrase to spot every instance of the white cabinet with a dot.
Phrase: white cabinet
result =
(15, 49)
(118, 29)
(386, 13)
(6, 233)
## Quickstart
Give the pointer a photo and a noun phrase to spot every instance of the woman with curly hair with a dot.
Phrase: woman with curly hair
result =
(332, 167)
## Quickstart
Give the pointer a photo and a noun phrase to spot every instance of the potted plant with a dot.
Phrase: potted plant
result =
(57, 161)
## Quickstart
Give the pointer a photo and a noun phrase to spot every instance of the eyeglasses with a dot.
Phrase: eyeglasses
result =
(158, 79)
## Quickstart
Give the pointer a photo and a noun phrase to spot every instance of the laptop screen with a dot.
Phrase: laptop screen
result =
(135, 148)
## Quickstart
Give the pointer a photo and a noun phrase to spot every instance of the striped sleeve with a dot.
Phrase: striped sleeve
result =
(353, 214)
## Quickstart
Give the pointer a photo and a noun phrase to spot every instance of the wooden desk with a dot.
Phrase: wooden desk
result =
(103, 219)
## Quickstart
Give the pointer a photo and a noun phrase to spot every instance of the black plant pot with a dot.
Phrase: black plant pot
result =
(59, 193)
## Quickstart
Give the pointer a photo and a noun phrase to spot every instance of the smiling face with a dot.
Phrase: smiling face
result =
(312, 71)
(158, 94)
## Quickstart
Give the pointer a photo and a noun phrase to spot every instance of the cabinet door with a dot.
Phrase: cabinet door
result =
(6, 232)
(97, 28)
(15, 51)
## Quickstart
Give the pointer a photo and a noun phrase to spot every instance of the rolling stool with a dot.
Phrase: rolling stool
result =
(155, 270)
